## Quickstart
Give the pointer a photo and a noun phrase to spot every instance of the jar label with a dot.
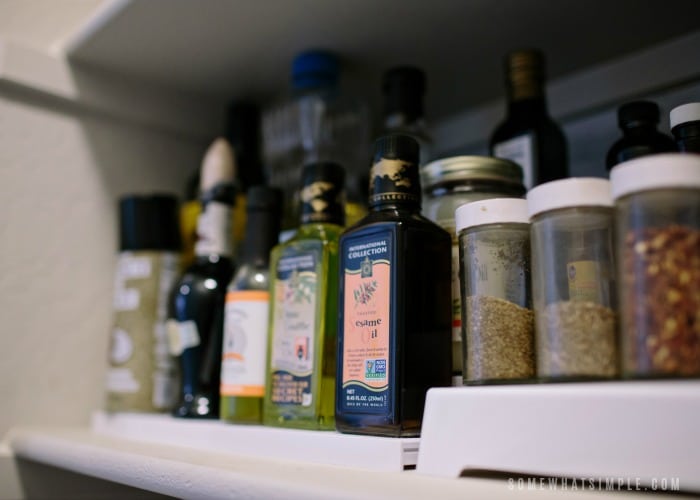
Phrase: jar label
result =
(294, 326)
(521, 150)
(584, 278)
(366, 323)
(245, 343)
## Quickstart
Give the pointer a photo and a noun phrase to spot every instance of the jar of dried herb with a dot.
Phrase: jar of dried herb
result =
(573, 279)
(497, 318)
(657, 215)
(449, 183)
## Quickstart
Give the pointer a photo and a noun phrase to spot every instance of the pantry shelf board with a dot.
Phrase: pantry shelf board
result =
(327, 447)
(632, 429)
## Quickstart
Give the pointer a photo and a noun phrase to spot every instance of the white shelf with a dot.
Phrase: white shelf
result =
(319, 447)
(646, 430)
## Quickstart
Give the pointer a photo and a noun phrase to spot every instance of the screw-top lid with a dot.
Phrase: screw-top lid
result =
(404, 88)
(315, 68)
(394, 176)
(491, 211)
(461, 169)
(668, 170)
(569, 193)
(685, 113)
(243, 132)
(149, 223)
(323, 193)
(637, 113)
(525, 73)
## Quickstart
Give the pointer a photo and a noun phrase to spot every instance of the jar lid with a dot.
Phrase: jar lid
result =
(467, 168)
(491, 211)
(569, 193)
(668, 170)
(685, 113)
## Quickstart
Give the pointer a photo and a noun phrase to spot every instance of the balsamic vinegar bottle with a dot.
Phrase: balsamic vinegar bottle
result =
(394, 329)
(300, 388)
(195, 325)
(528, 136)
(247, 310)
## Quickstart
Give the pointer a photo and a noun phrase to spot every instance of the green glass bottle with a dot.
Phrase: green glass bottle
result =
(300, 390)
(247, 310)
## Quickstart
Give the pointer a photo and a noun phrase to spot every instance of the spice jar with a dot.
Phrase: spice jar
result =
(573, 278)
(657, 216)
(497, 318)
(449, 183)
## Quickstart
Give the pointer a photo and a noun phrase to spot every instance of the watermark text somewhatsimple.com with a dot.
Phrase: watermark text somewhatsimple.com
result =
(594, 483)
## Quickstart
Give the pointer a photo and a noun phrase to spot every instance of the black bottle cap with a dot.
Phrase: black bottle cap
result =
(149, 223)
(243, 132)
(404, 88)
(394, 177)
(323, 193)
(638, 113)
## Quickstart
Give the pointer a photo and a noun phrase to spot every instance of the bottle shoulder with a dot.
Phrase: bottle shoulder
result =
(377, 221)
(250, 277)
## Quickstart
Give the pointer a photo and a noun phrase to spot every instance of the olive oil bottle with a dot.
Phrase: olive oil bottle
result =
(300, 389)
(394, 328)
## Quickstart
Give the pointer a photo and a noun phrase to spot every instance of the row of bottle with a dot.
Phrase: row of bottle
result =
(587, 278)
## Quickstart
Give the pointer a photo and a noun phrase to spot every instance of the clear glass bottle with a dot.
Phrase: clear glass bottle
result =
(319, 123)
(196, 308)
(638, 121)
(394, 333)
(528, 136)
(573, 279)
(494, 255)
(300, 389)
(657, 216)
(685, 127)
(449, 183)
(404, 89)
(247, 310)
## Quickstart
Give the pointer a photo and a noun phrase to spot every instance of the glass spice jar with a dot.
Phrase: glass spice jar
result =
(657, 216)
(497, 317)
(449, 183)
(573, 279)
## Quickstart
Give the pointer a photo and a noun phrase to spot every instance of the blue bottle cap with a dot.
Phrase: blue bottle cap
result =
(315, 68)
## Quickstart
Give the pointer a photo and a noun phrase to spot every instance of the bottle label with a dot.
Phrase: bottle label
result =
(245, 343)
(182, 335)
(294, 327)
(521, 150)
(366, 323)
(214, 230)
(584, 281)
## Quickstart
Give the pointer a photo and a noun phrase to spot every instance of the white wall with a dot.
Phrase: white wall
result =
(61, 173)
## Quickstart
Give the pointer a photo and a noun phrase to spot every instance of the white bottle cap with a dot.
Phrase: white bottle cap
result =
(668, 170)
(685, 113)
(491, 211)
(569, 193)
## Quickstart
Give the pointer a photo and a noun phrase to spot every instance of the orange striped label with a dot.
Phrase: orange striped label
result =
(255, 391)
(248, 295)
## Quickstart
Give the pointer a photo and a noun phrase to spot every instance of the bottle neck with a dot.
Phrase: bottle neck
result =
(638, 127)
(531, 106)
(261, 234)
(406, 208)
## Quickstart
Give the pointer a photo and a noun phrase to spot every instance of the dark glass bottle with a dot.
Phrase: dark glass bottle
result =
(247, 309)
(638, 121)
(300, 388)
(404, 88)
(196, 311)
(394, 329)
(529, 136)
(685, 127)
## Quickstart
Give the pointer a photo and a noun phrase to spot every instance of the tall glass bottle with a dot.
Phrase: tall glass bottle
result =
(196, 310)
(395, 323)
(638, 121)
(319, 123)
(247, 310)
(404, 88)
(528, 136)
(300, 389)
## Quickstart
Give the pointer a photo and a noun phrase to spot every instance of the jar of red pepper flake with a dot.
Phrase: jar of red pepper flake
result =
(657, 215)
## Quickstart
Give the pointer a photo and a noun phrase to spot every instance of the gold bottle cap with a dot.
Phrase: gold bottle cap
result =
(525, 73)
